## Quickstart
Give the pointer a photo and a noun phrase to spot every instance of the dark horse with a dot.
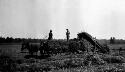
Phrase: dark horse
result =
(45, 48)
(32, 48)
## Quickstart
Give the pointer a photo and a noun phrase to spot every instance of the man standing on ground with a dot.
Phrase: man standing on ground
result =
(67, 34)
(50, 35)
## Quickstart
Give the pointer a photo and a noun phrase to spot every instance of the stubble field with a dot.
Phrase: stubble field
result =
(11, 59)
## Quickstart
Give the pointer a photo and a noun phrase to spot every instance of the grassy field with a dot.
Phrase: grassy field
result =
(116, 46)
(18, 62)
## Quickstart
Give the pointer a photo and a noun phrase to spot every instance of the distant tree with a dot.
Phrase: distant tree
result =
(0, 40)
(19, 40)
(7, 39)
(112, 40)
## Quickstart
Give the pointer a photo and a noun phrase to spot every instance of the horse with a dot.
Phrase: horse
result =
(30, 47)
(33, 48)
(45, 48)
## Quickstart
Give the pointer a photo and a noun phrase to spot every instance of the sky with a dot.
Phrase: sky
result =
(35, 18)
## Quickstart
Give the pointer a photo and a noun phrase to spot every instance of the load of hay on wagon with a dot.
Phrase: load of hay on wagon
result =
(95, 52)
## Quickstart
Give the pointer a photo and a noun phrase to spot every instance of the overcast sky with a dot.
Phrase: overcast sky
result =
(34, 18)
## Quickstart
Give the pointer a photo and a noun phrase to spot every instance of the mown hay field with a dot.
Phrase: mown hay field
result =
(116, 46)
(13, 60)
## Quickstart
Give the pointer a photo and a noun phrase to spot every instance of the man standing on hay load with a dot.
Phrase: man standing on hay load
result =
(67, 34)
(50, 35)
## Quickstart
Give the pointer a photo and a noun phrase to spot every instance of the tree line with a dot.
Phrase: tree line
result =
(112, 40)
(18, 40)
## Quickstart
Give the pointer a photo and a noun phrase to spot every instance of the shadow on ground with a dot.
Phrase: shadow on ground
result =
(24, 52)
(36, 56)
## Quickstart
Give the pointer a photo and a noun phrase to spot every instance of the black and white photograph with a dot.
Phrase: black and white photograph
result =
(62, 35)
